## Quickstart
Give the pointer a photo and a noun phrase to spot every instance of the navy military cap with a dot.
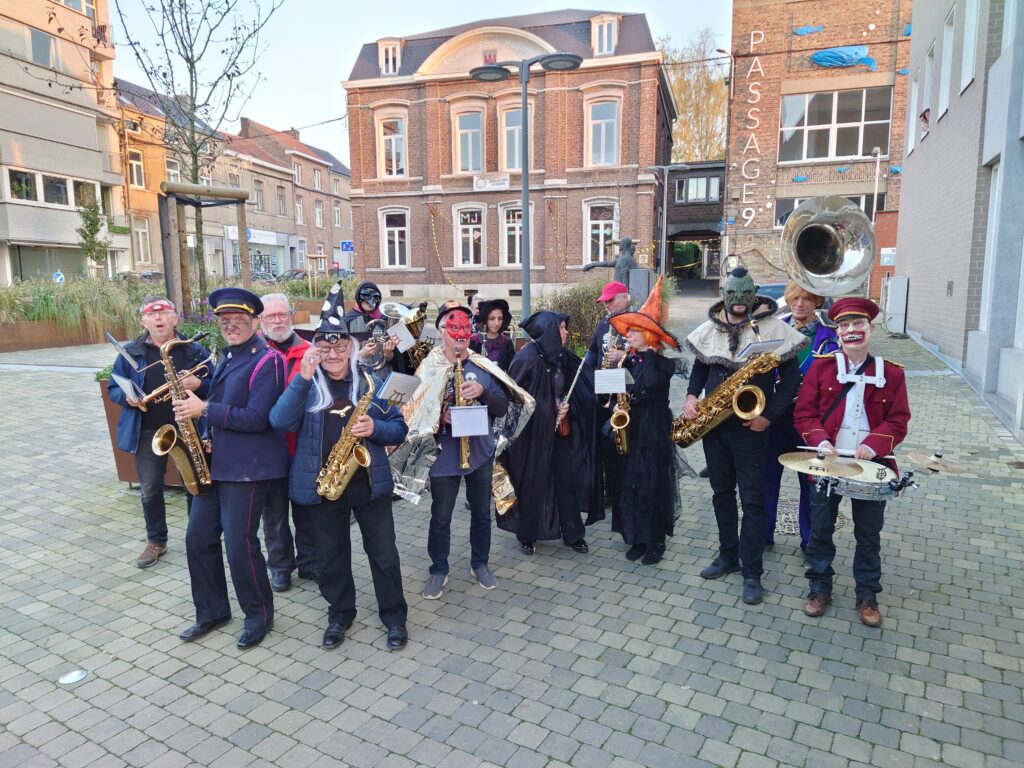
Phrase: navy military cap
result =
(235, 300)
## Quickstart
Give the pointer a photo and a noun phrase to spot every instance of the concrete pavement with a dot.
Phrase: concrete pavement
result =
(583, 660)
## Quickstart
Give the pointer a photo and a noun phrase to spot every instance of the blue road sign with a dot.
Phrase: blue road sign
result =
(347, 245)
(248, 234)
(58, 276)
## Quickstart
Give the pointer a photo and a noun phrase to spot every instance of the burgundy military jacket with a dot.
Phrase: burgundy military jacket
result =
(886, 407)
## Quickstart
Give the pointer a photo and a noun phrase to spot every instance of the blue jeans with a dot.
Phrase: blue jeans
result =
(443, 492)
(868, 517)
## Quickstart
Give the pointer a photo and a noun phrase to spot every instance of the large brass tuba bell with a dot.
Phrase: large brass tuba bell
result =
(828, 246)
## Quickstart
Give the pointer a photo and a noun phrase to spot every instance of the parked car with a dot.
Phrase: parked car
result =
(149, 276)
(263, 277)
(292, 274)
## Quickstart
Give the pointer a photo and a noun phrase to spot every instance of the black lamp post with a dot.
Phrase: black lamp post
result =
(559, 61)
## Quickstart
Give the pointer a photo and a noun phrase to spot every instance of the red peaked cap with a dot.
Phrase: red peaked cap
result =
(853, 306)
(647, 318)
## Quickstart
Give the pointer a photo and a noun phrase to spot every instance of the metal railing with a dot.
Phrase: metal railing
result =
(112, 162)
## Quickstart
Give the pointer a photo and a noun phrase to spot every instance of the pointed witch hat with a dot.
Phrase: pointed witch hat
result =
(648, 318)
(332, 317)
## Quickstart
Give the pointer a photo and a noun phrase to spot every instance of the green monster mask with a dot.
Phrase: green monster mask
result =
(739, 288)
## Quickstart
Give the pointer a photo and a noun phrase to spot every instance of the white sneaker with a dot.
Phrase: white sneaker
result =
(435, 585)
(484, 577)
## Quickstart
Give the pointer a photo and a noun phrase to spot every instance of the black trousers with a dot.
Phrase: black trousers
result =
(231, 509)
(284, 552)
(736, 456)
(334, 554)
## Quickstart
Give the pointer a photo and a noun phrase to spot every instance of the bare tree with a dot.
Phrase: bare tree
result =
(202, 65)
(698, 85)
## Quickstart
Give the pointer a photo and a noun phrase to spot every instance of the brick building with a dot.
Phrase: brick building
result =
(435, 185)
(800, 130)
(694, 210)
(961, 231)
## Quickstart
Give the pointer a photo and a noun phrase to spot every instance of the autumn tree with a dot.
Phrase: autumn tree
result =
(202, 64)
(91, 239)
(696, 75)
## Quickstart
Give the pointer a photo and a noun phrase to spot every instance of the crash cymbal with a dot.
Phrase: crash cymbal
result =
(935, 462)
(808, 463)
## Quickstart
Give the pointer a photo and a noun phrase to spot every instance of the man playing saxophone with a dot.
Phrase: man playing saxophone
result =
(140, 419)
(248, 453)
(735, 451)
(330, 407)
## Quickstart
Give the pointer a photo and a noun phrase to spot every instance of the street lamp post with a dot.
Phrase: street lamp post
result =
(664, 207)
(558, 61)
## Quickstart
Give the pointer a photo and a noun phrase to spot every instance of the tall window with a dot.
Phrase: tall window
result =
(605, 38)
(512, 135)
(970, 46)
(912, 113)
(392, 146)
(390, 60)
(43, 49)
(601, 226)
(300, 253)
(698, 189)
(834, 124)
(280, 202)
(136, 172)
(337, 213)
(299, 217)
(23, 185)
(316, 178)
(318, 210)
(140, 234)
(205, 178)
(297, 172)
(55, 190)
(234, 182)
(470, 238)
(784, 206)
(946, 66)
(319, 249)
(926, 92)
(512, 236)
(604, 132)
(173, 171)
(336, 187)
(469, 141)
(257, 194)
(395, 236)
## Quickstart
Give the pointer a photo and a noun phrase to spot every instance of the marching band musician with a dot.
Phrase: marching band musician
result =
(329, 382)
(285, 552)
(493, 341)
(856, 403)
(644, 511)
(614, 297)
(247, 454)
(366, 310)
(782, 435)
(556, 476)
(735, 451)
(138, 423)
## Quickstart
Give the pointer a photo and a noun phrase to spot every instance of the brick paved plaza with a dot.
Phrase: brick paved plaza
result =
(584, 660)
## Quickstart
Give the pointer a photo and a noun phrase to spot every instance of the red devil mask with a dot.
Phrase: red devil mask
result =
(457, 326)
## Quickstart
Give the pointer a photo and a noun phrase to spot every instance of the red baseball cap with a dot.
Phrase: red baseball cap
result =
(853, 306)
(611, 290)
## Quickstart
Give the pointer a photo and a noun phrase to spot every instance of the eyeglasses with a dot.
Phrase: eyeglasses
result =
(233, 321)
(857, 324)
(277, 317)
(341, 349)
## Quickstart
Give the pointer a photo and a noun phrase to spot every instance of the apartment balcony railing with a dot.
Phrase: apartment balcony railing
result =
(112, 162)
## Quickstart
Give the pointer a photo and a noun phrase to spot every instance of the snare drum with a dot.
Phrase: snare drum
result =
(873, 484)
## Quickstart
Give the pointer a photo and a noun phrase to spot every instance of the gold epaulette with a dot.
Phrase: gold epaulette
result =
(830, 354)
(893, 362)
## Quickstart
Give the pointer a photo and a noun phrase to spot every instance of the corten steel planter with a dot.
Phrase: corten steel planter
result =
(123, 460)
(45, 334)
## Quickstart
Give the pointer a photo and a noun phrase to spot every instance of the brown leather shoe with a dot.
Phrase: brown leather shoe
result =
(869, 613)
(150, 554)
(816, 603)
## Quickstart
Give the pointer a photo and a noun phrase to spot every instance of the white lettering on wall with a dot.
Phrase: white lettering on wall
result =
(751, 168)
(756, 162)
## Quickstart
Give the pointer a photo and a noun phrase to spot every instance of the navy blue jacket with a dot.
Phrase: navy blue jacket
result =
(245, 386)
(290, 415)
(129, 423)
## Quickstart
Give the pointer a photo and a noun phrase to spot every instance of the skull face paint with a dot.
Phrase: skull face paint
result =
(852, 338)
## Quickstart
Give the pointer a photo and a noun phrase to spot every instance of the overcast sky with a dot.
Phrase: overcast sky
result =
(313, 45)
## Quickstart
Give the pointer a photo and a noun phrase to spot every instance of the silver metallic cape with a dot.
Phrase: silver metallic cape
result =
(412, 460)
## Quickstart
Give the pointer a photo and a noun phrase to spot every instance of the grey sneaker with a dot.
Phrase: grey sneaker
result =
(434, 587)
(150, 554)
(484, 577)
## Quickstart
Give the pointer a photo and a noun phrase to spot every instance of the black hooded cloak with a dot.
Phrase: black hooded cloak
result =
(557, 479)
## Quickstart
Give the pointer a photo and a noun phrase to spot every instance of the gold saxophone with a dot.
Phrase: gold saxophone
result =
(620, 418)
(184, 444)
(459, 402)
(733, 396)
(348, 454)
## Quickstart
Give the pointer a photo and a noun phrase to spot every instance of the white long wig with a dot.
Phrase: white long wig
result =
(322, 399)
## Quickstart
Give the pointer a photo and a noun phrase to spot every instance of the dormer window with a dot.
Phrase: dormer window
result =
(604, 34)
(389, 56)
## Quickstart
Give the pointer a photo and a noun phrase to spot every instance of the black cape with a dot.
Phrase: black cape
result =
(535, 516)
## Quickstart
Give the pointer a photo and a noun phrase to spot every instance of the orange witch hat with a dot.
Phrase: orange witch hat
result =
(648, 318)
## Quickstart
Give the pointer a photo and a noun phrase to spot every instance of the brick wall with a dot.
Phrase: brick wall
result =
(772, 61)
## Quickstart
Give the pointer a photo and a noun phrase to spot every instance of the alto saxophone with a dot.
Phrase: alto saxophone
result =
(620, 419)
(459, 402)
(349, 453)
(733, 396)
(184, 444)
